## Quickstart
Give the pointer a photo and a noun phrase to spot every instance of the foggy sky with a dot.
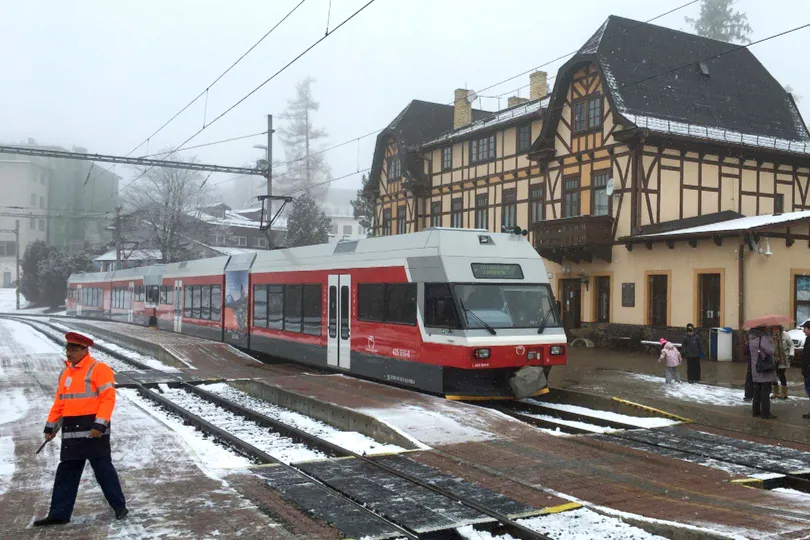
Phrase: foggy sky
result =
(105, 75)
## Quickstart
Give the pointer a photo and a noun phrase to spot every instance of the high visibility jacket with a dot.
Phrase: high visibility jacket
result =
(84, 401)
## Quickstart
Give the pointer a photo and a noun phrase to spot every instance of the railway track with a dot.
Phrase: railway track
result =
(359, 495)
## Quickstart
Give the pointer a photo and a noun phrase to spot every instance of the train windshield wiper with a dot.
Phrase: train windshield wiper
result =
(479, 319)
(544, 322)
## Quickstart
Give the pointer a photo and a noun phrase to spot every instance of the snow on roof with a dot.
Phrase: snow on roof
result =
(226, 250)
(500, 117)
(739, 224)
(717, 134)
(231, 219)
(135, 255)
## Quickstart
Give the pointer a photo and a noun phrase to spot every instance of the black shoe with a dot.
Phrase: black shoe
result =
(48, 520)
(756, 415)
(769, 417)
(748, 399)
(121, 513)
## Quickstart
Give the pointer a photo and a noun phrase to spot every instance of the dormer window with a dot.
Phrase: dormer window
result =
(588, 114)
(394, 168)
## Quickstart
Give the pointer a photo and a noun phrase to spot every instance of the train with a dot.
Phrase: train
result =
(464, 313)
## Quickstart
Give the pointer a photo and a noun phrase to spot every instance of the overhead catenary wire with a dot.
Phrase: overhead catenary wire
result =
(212, 143)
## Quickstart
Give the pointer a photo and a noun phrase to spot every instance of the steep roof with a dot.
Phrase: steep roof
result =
(654, 80)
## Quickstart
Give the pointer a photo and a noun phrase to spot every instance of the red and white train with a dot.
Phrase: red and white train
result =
(457, 312)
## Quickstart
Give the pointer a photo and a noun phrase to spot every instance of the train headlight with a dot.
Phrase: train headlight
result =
(481, 354)
(557, 350)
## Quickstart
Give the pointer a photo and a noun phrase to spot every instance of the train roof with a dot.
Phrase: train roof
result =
(151, 275)
(90, 277)
(415, 249)
(199, 267)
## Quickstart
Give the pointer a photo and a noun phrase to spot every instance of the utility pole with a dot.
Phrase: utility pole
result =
(117, 237)
(17, 257)
(269, 177)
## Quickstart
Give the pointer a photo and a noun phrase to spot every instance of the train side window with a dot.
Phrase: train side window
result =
(216, 302)
(332, 311)
(344, 312)
(205, 308)
(260, 306)
(440, 310)
(371, 302)
(312, 309)
(188, 296)
(196, 301)
(292, 308)
(401, 303)
(162, 294)
(169, 294)
(275, 307)
(152, 294)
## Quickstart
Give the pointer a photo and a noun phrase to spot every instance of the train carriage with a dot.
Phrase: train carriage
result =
(191, 297)
(88, 295)
(134, 294)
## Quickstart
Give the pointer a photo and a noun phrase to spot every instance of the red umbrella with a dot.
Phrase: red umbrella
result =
(769, 320)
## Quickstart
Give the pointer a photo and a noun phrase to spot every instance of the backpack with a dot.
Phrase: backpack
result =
(766, 363)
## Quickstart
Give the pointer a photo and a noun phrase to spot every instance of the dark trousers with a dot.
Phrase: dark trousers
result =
(66, 485)
(781, 373)
(749, 383)
(693, 369)
(762, 399)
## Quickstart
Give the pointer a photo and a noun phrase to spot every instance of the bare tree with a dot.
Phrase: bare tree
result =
(166, 210)
(306, 170)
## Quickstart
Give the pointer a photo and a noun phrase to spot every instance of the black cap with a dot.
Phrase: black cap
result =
(806, 324)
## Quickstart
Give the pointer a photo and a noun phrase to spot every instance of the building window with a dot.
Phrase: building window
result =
(602, 296)
(482, 211)
(570, 197)
(594, 113)
(240, 240)
(347, 230)
(41, 202)
(260, 242)
(402, 227)
(386, 222)
(33, 201)
(536, 194)
(394, 169)
(579, 116)
(482, 149)
(509, 208)
(802, 298)
(436, 214)
(779, 203)
(447, 158)
(657, 300)
(8, 249)
(41, 224)
(32, 223)
(333, 229)
(710, 300)
(600, 202)
(524, 138)
(456, 215)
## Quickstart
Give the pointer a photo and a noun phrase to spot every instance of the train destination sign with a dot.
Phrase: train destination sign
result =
(496, 271)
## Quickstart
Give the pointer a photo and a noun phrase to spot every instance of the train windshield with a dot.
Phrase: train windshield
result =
(506, 305)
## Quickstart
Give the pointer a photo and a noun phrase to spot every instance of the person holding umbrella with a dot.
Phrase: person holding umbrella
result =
(760, 353)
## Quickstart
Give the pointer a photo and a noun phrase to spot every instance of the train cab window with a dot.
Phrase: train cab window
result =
(275, 307)
(312, 309)
(152, 294)
(332, 311)
(196, 302)
(371, 302)
(205, 308)
(292, 308)
(216, 302)
(440, 308)
(187, 302)
(260, 306)
(400, 303)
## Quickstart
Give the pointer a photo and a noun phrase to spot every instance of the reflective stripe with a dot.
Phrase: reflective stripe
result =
(80, 434)
(102, 422)
(88, 389)
(50, 425)
(105, 386)
(79, 396)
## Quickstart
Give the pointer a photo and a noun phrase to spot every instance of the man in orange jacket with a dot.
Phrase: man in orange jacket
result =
(83, 407)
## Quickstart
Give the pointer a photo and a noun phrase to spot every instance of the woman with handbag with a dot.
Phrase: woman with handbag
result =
(760, 355)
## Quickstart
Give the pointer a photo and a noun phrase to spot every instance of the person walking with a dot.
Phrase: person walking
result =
(692, 350)
(672, 358)
(83, 407)
(760, 354)
(806, 363)
(784, 353)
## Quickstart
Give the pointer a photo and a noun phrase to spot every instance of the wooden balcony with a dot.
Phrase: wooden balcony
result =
(575, 238)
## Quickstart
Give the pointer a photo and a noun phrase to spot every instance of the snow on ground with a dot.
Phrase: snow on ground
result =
(571, 423)
(211, 457)
(6, 462)
(8, 300)
(280, 447)
(579, 524)
(793, 494)
(33, 341)
(696, 393)
(642, 422)
(350, 440)
(13, 404)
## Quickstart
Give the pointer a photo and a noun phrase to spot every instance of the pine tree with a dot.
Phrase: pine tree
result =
(305, 171)
(363, 206)
(718, 21)
(307, 224)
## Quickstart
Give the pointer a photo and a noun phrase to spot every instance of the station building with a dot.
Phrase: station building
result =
(664, 180)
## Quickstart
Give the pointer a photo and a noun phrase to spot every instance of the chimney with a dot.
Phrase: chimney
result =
(538, 87)
(515, 100)
(462, 109)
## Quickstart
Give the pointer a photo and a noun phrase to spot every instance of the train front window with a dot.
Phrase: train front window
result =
(506, 305)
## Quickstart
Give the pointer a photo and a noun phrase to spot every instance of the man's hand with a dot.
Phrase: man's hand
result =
(95, 434)
(50, 436)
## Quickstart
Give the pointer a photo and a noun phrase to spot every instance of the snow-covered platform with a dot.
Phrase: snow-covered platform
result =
(662, 492)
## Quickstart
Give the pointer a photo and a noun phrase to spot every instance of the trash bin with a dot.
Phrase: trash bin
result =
(720, 344)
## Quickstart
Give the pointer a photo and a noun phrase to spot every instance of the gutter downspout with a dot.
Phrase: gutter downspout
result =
(741, 293)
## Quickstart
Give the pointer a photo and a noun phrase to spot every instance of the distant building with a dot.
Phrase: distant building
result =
(338, 206)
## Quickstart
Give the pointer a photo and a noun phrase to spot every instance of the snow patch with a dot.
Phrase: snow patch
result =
(696, 393)
(7, 465)
(571, 423)
(8, 300)
(13, 404)
(793, 494)
(639, 421)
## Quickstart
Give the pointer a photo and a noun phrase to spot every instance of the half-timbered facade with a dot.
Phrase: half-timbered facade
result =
(643, 163)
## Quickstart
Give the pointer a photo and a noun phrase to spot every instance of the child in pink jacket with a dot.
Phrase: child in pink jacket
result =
(672, 357)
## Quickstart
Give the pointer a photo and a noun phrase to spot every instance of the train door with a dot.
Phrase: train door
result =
(130, 298)
(338, 349)
(78, 300)
(178, 305)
